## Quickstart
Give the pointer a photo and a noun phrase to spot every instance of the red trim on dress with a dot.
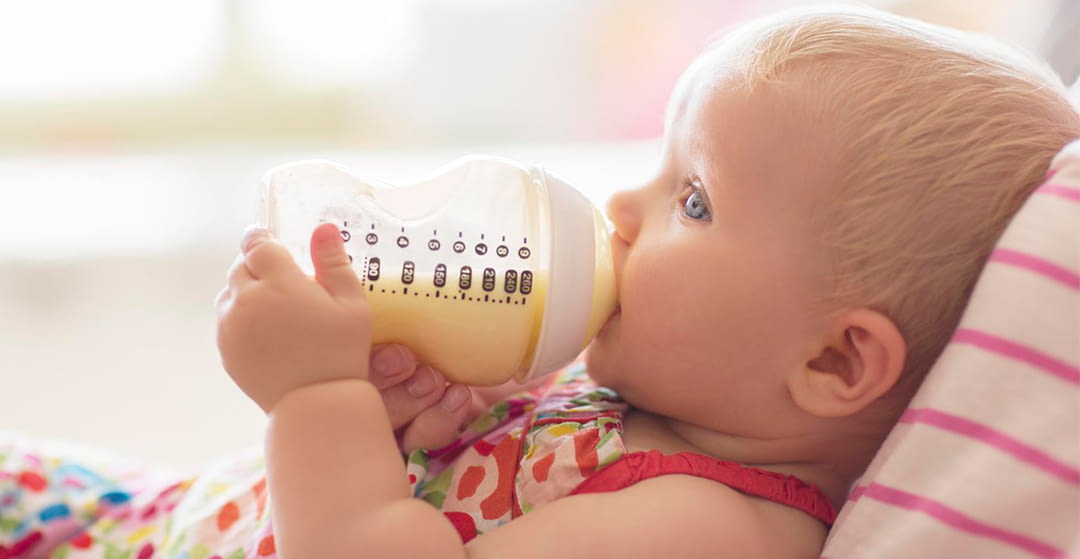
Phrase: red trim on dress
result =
(779, 488)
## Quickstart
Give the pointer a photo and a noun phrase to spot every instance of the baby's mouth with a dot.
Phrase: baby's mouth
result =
(614, 314)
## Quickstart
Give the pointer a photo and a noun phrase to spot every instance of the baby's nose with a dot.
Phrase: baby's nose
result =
(620, 211)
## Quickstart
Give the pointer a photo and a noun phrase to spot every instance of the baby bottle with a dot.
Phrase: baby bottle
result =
(487, 269)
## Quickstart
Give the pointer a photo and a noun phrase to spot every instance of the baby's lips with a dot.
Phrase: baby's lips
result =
(610, 225)
(618, 257)
(614, 314)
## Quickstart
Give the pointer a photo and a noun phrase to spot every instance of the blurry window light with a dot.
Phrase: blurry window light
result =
(71, 49)
(331, 42)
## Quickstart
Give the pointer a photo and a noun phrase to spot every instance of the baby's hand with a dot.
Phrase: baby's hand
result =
(279, 329)
(424, 411)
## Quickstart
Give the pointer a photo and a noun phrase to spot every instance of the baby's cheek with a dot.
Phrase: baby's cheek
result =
(655, 312)
(649, 281)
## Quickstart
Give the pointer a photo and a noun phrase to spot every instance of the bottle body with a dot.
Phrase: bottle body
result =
(457, 266)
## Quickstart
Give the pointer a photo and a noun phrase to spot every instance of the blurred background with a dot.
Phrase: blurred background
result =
(133, 136)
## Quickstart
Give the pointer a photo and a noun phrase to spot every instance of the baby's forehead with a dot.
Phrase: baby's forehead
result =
(706, 73)
(723, 66)
(735, 127)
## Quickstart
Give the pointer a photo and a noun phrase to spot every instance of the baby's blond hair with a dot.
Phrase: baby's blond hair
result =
(942, 135)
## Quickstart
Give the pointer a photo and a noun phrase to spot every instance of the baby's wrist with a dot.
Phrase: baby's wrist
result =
(325, 393)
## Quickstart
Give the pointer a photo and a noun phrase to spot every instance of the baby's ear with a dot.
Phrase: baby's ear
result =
(859, 358)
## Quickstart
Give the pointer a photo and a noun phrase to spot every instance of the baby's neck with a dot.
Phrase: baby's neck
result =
(832, 471)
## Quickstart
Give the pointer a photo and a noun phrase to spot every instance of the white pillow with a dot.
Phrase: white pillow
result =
(1074, 93)
(986, 460)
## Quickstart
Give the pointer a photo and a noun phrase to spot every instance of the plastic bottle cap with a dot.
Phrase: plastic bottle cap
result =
(570, 276)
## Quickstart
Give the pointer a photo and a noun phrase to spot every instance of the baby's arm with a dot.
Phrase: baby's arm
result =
(299, 347)
(337, 487)
(337, 483)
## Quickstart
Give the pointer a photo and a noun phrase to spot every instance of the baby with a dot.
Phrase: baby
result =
(831, 185)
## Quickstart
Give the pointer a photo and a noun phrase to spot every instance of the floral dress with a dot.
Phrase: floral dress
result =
(66, 502)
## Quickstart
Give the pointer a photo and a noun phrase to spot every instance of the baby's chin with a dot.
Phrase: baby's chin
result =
(604, 358)
(599, 361)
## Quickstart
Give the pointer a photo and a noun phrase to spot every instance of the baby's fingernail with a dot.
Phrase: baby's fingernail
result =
(389, 361)
(422, 383)
(330, 232)
(455, 397)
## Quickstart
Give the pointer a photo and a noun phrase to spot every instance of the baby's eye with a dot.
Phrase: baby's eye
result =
(694, 206)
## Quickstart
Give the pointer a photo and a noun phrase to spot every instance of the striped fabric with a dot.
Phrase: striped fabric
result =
(986, 461)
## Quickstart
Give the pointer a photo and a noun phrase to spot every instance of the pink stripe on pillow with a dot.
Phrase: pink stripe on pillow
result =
(1018, 352)
(1035, 264)
(1066, 192)
(995, 438)
(958, 520)
(856, 493)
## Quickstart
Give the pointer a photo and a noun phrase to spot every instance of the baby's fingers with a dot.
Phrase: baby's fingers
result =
(417, 398)
(391, 364)
(407, 400)
(265, 257)
(438, 425)
(333, 269)
(238, 275)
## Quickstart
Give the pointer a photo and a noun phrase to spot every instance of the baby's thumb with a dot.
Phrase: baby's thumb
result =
(332, 267)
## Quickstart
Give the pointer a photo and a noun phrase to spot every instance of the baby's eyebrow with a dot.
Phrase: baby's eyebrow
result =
(699, 164)
(704, 186)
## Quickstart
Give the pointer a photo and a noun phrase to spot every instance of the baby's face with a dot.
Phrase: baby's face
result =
(717, 261)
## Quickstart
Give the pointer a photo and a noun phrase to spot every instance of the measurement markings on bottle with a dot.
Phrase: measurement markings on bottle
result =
(465, 279)
(403, 241)
(513, 281)
(346, 236)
